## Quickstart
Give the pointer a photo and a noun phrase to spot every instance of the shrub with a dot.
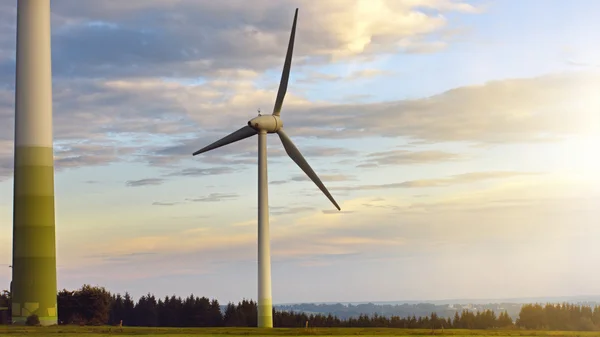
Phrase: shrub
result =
(32, 320)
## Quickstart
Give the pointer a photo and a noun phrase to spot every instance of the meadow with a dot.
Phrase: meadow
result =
(146, 331)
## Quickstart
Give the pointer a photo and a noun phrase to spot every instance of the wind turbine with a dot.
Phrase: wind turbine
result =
(261, 126)
(33, 286)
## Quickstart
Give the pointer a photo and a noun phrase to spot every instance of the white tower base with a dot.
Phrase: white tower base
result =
(265, 302)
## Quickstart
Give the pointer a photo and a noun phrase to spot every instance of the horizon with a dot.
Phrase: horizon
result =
(460, 148)
(450, 301)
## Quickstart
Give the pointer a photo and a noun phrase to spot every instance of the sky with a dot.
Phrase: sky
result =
(460, 139)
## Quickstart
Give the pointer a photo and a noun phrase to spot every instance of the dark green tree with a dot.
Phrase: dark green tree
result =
(504, 320)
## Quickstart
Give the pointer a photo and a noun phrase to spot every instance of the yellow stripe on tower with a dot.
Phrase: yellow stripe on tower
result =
(33, 285)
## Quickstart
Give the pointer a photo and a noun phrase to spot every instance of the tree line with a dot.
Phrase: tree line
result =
(91, 305)
(445, 310)
(559, 317)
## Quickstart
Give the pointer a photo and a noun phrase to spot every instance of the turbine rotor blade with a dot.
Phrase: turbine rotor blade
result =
(238, 135)
(297, 157)
(285, 75)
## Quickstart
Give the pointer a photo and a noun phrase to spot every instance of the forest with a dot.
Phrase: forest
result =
(91, 305)
(401, 309)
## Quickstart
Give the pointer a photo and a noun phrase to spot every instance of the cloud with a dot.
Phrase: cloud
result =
(158, 203)
(95, 125)
(176, 242)
(99, 122)
(515, 110)
(546, 194)
(514, 211)
(233, 155)
(368, 73)
(545, 108)
(366, 165)
(324, 151)
(291, 239)
(123, 258)
(314, 77)
(357, 98)
(6, 159)
(70, 155)
(144, 182)
(185, 38)
(289, 210)
(215, 197)
(552, 210)
(403, 157)
(120, 107)
(245, 149)
(583, 64)
(324, 177)
(247, 223)
(74, 155)
(345, 240)
(199, 172)
(212, 197)
(465, 178)
(335, 211)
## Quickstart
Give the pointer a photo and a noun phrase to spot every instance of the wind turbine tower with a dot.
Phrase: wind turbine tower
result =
(34, 288)
(261, 126)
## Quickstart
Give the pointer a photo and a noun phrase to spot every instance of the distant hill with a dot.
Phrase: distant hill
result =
(522, 300)
(444, 308)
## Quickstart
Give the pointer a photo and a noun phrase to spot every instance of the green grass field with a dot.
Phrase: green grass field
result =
(134, 331)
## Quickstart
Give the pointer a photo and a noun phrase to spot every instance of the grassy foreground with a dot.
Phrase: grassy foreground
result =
(141, 331)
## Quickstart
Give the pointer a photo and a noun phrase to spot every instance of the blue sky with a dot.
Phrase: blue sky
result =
(459, 138)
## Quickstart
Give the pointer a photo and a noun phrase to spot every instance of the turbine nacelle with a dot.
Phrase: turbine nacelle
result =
(267, 123)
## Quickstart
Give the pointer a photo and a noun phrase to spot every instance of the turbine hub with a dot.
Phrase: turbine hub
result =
(268, 123)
